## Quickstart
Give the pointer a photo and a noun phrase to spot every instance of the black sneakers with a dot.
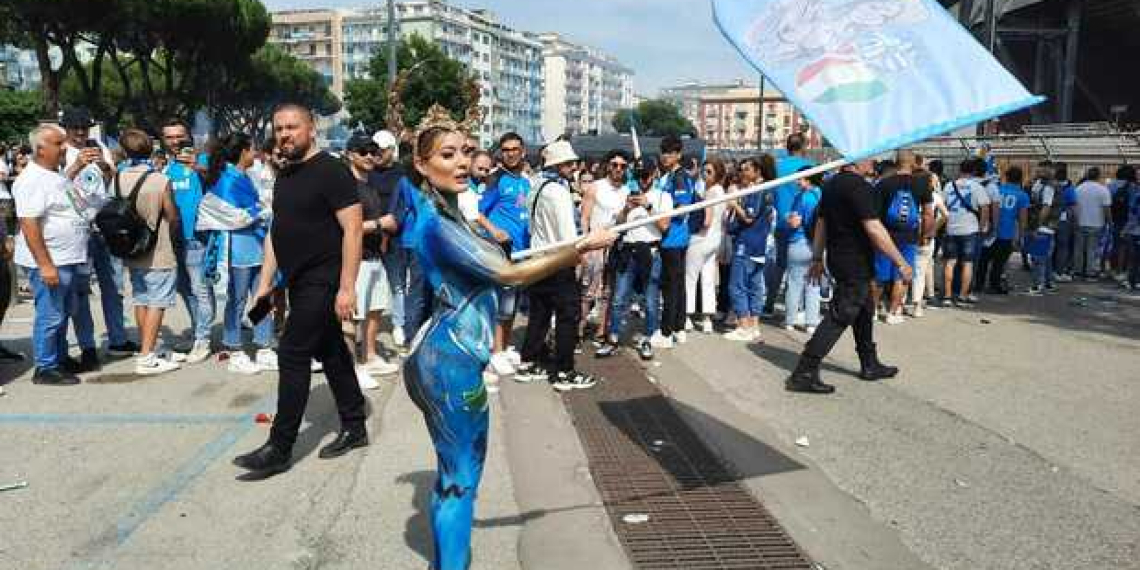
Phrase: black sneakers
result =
(606, 351)
(126, 349)
(645, 350)
(567, 381)
(528, 372)
(54, 377)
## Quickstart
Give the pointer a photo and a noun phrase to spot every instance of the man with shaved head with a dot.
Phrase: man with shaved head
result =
(316, 242)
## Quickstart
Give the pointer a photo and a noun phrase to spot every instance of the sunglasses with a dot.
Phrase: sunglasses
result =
(368, 152)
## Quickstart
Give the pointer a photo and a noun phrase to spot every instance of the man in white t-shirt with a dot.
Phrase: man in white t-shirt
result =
(551, 210)
(969, 206)
(52, 246)
(1094, 210)
(89, 164)
(638, 261)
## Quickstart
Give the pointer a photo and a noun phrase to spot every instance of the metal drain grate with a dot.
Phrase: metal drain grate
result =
(646, 461)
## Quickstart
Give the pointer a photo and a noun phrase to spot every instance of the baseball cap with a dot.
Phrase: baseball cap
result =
(359, 141)
(384, 139)
(76, 118)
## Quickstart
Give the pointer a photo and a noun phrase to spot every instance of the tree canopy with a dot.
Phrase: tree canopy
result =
(146, 58)
(654, 118)
(437, 79)
(272, 77)
(19, 113)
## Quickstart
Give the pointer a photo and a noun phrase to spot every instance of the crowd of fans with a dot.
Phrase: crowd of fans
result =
(722, 269)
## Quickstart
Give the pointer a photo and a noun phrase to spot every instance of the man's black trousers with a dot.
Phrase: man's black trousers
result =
(313, 330)
(672, 291)
(851, 306)
(557, 295)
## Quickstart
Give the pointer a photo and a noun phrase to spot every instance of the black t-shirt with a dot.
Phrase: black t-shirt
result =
(919, 186)
(306, 234)
(373, 207)
(848, 201)
(386, 182)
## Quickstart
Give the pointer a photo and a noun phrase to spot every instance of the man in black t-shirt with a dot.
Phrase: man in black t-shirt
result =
(906, 208)
(848, 228)
(316, 243)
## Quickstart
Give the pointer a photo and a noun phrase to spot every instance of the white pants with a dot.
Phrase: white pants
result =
(923, 281)
(701, 265)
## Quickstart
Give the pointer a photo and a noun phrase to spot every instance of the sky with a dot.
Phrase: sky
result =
(665, 42)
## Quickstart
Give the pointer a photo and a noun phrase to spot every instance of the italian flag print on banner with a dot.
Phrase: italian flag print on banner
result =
(839, 79)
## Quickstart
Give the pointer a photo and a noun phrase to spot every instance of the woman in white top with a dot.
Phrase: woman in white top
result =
(602, 201)
(701, 258)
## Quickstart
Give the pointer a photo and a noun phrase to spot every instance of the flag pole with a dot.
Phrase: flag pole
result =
(622, 228)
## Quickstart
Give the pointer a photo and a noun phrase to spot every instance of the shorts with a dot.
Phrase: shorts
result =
(508, 296)
(372, 292)
(885, 270)
(592, 275)
(960, 247)
(153, 288)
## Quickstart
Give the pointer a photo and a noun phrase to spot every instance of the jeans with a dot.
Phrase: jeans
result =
(109, 273)
(196, 290)
(627, 276)
(776, 265)
(1041, 251)
(79, 310)
(1063, 250)
(701, 267)
(416, 293)
(49, 328)
(746, 287)
(312, 330)
(556, 295)
(1086, 251)
(243, 283)
(6, 275)
(396, 267)
(851, 307)
(672, 291)
(1134, 263)
(800, 292)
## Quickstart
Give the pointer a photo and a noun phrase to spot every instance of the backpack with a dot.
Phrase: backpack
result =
(1120, 204)
(695, 219)
(125, 232)
(903, 214)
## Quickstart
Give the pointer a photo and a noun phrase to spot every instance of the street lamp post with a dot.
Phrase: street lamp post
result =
(391, 43)
(760, 124)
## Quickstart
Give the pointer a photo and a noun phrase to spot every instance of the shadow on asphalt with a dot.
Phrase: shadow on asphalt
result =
(665, 430)
(417, 529)
(788, 359)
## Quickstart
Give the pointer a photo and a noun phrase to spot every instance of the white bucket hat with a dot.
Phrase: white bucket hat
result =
(558, 153)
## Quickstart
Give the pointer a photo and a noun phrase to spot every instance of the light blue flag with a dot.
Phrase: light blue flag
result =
(872, 75)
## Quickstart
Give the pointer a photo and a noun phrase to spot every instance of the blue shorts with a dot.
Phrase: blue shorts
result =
(885, 270)
(964, 248)
(153, 287)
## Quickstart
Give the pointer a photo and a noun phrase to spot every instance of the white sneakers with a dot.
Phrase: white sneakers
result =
(741, 334)
(398, 337)
(894, 319)
(151, 365)
(266, 359)
(199, 352)
(659, 340)
(240, 363)
(680, 337)
(707, 326)
(381, 367)
(366, 381)
(689, 324)
(516, 358)
(502, 364)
